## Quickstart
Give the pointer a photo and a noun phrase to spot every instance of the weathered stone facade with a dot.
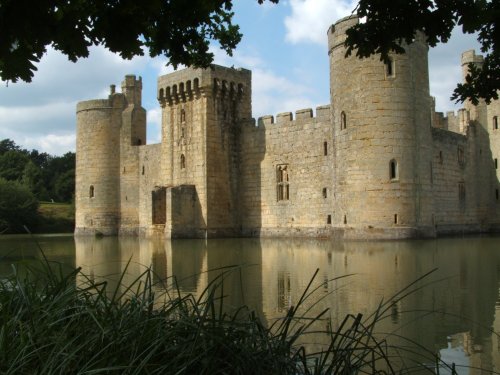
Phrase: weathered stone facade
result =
(376, 163)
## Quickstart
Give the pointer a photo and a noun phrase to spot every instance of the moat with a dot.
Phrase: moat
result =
(452, 311)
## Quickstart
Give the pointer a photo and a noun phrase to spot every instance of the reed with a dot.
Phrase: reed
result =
(52, 322)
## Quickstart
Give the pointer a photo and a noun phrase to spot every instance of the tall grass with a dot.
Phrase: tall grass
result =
(52, 322)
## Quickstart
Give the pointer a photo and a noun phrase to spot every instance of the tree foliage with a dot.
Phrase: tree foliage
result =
(389, 23)
(47, 177)
(12, 164)
(18, 207)
(178, 29)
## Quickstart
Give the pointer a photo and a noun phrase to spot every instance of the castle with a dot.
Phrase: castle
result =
(376, 163)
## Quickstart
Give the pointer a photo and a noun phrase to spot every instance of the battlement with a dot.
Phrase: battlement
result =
(287, 118)
(94, 104)
(470, 56)
(132, 89)
(337, 32)
(188, 83)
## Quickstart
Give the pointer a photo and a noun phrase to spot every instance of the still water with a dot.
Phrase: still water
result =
(453, 311)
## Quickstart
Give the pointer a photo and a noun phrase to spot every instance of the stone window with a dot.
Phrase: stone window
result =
(389, 68)
(329, 219)
(461, 155)
(183, 161)
(343, 121)
(496, 194)
(183, 115)
(143, 170)
(325, 192)
(461, 192)
(440, 157)
(345, 219)
(495, 122)
(325, 148)
(393, 169)
(496, 163)
(396, 219)
(282, 183)
(91, 191)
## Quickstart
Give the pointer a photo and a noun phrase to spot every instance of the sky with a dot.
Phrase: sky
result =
(284, 45)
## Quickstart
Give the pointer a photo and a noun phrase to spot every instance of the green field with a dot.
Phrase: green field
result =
(56, 218)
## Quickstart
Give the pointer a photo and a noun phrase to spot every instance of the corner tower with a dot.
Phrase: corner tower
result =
(97, 198)
(382, 140)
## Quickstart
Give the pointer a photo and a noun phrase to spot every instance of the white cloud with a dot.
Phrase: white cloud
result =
(271, 92)
(310, 19)
(41, 114)
(445, 68)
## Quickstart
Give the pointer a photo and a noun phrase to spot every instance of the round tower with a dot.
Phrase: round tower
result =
(382, 140)
(97, 192)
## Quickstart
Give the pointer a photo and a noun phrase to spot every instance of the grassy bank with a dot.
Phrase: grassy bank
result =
(55, 218)
(61, 321)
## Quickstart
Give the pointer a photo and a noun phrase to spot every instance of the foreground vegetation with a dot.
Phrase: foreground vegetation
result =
(61, 321)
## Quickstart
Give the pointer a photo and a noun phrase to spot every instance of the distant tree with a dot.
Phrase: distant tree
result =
(33, 180)
(40, 159)
(8, 145)
(12, 164)
(18, 207)
(181, 30)
(388, 23)
(64, 186)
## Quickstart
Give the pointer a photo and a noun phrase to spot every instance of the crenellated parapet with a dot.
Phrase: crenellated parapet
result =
(287, 118)
(217, 81)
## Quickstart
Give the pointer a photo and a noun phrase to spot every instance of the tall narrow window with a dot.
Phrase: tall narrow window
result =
(325, 192)
(343, 121)
(461, 156)
(389, 68)
(329, 219)
(183, 115)
(282, 183)
(496, 194)
(396, 219)
(91, 191)
(325, 148)
(393, 169)
(143, 170)
(495, 122)
(183, 161)
(461, 192)
(432, 173)
(440, 157)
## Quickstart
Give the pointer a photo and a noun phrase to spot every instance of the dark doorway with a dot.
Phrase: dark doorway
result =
(159, 205)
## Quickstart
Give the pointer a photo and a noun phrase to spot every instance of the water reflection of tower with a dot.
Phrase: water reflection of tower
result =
(99, 258)
(109, 259)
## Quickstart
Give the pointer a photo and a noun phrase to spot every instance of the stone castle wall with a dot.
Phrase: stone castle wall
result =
(301, 145)
(377, 163)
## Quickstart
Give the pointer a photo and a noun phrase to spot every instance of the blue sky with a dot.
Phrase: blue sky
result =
(284, 45)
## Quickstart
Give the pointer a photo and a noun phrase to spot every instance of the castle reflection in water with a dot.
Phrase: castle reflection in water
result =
(452, 311)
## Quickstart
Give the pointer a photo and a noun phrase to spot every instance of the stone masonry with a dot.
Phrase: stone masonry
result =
(377, 162)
